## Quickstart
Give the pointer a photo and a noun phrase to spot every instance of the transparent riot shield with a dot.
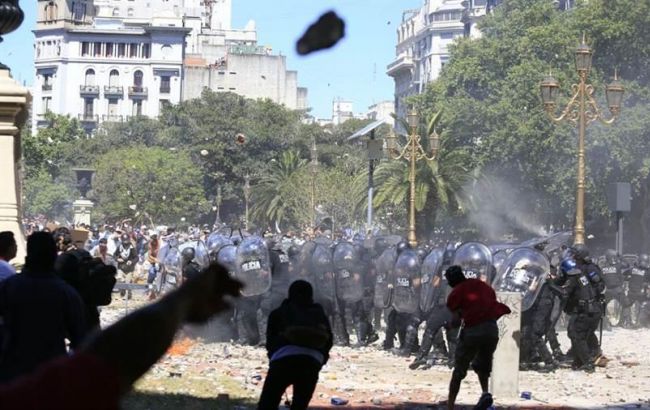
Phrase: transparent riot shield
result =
(347, 266)
(406, 282)
(322, 272)
(431, 276)
(253, 266)
(524, 271)
(201, 255)
(476, 260)
(384, 267)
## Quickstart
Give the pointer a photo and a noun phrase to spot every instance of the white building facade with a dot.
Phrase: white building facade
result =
(423, 39)
(108, 60)
(100, 68)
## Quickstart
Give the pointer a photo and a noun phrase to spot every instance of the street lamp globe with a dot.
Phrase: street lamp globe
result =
(583, 58)
(614, 93)
(412, 119)
(550, 89)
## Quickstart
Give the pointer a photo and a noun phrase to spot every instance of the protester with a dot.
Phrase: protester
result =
(8, 249)
(474, 302)
(298, 341)
(99, 375)
(39, 311)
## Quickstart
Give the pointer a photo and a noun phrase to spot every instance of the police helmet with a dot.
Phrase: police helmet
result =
(567, 265)
(402, 246)
(610, 255)
(580, 251)
(188, 253)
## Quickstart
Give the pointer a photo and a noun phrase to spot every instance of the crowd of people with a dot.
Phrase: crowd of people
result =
(336, 287)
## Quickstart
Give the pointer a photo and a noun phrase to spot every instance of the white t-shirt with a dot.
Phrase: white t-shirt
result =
(6, 270)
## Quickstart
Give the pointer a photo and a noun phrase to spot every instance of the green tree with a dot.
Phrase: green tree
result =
(438, 185)
(282, 193)
(45, 197)
(151, 181)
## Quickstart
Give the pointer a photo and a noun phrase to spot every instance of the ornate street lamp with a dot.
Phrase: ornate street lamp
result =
(413, 152)
(581, 110)
(247, 195)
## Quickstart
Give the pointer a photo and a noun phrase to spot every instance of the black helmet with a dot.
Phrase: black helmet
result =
(402, 246)
(644, 261)
(580, 251)
(610, 256)
(422, 253)
(293, 251)
(188, 254)
(380, 245)
(125, 238)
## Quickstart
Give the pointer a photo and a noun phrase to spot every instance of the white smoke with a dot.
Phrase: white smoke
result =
(498, 209)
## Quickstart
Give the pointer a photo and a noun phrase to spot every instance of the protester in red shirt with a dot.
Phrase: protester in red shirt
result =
(475, 302)
(101, 372)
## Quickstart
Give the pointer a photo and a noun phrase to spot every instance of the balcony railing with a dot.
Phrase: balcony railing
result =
(46, 87)
(88, 117)
(401, 63)
(112, 118)
(89, 90)
(165, 89)
(138, 91)
(113, 90)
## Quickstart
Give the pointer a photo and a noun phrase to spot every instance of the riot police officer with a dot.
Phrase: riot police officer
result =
(190, 267)
(613, 277)
(584, 309)
(636, 278)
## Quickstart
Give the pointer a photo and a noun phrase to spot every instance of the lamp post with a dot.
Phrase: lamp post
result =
(581, 110)
(218, 199)
(413, 152)
(247, 194)
(314, 169)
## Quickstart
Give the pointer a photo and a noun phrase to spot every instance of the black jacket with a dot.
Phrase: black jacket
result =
(289, 315)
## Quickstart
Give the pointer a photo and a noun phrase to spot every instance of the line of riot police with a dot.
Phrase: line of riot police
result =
(357, 282)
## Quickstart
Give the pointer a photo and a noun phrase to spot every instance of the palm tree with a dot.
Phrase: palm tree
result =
(438, 186)
(282, 193)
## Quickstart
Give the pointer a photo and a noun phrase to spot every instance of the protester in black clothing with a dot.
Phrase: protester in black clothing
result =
(39, 311)
(298, 341)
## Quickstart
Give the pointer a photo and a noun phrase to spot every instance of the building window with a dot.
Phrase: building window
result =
(89, 106)
(51, 11)
(129, 12)
(97, 49)
(133, 50)
(110, 48)
(47, 104)
(137, 108)
(78, 11)
(164, 104)
(137, 79)
(47, 82)
(112, 108)
(116, 12)
(114, 78)
(121, 50)
(85, 49)
(146, 51)
(90, 77)
(165, 84)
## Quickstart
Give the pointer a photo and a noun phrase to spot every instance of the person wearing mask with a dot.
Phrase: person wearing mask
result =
(298, 341)
(475, 303)
(8, 249)
(103, 370)
(39, 311)
(101, 252)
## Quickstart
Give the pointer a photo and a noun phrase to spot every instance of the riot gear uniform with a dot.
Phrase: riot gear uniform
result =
(637, 278)
(615, 298)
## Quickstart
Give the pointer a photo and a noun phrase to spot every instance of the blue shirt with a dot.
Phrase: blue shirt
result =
(6, 270)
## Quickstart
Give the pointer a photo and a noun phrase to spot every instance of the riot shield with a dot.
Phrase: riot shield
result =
(322, 272)
(253, 266)
(524, 271)
(476, 260)
(383, 269)
(172, 270)
(347, 266)
(406, 282)
(201, 255)
(431, 277)
(498, 258)
(215, 242)
(227, 257)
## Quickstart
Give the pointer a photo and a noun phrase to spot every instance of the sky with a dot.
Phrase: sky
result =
(354, 70)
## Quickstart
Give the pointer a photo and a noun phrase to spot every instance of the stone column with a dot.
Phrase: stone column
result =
(504, 382)
(14, 100)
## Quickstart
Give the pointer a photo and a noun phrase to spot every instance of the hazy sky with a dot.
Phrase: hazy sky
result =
(354, 70)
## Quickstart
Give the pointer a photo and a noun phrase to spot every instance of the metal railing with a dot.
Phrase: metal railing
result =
(88, 117)
(89, 89)
(113, 90)
(138, 90)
